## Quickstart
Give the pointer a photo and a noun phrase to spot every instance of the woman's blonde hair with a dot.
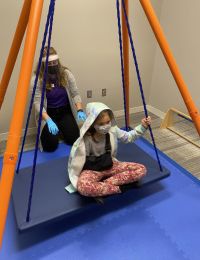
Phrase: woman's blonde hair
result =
(62, 76)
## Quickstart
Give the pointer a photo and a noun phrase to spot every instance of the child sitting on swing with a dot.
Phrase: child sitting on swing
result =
(93, 169)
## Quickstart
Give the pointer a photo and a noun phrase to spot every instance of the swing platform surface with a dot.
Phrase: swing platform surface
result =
(51, 202)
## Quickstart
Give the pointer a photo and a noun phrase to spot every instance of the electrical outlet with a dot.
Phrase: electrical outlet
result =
(103, 92)
(89, 93)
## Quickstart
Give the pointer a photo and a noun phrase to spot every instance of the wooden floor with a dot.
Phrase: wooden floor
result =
(177, 148)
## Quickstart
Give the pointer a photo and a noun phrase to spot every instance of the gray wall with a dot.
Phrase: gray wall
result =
(85, 36)
(180, 20)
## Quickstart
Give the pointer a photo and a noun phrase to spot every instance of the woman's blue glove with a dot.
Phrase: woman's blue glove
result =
(53, 129)
(81, 116)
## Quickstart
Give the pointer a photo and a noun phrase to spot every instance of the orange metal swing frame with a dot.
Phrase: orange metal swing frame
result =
(30, 18)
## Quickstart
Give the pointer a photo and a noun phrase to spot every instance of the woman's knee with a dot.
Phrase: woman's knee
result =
(71, 137)
(50, 147)
(49, 141)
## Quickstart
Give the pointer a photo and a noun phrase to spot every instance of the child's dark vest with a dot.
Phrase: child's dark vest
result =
(102, 162)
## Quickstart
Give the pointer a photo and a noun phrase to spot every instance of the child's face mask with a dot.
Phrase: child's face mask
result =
(103, 129)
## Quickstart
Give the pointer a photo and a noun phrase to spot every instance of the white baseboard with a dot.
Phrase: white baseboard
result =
(156, 111)
(151, 109)
(118, 113)
(31, 131)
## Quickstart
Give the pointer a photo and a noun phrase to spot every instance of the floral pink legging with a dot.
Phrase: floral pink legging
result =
(95, 184)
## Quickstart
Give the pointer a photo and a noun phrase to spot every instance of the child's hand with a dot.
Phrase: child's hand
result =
(146, 121)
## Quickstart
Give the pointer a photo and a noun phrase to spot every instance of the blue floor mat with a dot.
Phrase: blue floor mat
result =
(157, 222)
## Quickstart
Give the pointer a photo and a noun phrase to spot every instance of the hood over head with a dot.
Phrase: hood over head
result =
(93, 110)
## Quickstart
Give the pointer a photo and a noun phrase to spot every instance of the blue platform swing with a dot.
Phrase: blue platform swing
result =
(38, 193)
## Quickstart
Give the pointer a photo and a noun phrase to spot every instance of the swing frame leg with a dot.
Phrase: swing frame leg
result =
(11, 153)
(162, 41)
(14, 50)
(125, 40)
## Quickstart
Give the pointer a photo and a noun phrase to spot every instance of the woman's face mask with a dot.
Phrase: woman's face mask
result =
(53, 73)
(53, 70)
(103, 129)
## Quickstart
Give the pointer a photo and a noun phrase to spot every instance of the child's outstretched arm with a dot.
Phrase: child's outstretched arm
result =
(138, 131)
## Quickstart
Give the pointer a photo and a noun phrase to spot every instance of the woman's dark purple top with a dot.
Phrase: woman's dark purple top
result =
(57, 97)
